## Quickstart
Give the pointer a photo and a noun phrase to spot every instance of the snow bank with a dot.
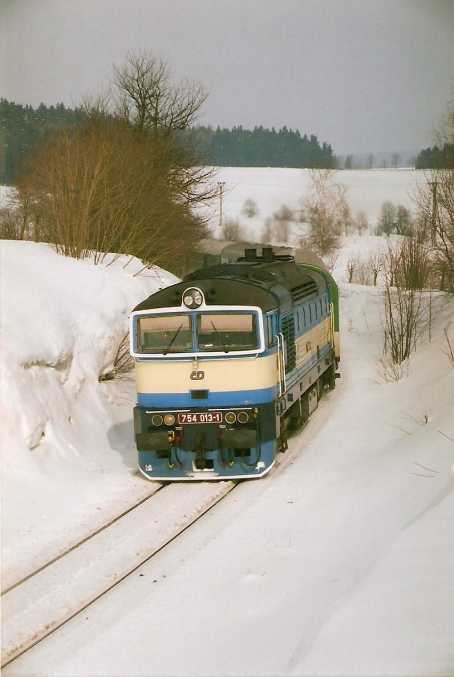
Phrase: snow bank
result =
(63, 431)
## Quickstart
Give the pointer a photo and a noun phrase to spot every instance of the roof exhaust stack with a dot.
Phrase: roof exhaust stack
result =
(267, 254)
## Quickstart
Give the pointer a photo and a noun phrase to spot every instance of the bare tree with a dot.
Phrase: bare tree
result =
(435, 209)
(387, 218)
(325, 209)
(250, 208)
(375, 265)
(147, 97)
(361, 223)
(281, 223)
(403, 221)
(267, 234)
(435, 202)
(351, 266)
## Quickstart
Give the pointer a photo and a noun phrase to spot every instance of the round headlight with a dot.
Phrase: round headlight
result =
(243, 417)
(192, 298)
(156, 419)
(169, 419)
(230, 417)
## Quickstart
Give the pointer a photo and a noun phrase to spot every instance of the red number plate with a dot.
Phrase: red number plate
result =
(200, 417)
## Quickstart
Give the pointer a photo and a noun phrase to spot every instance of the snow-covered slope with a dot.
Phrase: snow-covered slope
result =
(66, 439)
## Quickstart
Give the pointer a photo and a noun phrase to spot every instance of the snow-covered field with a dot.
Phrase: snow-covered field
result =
(339, 563)
(270, 188)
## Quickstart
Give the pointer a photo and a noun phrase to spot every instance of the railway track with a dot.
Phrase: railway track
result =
(44, 600)
(47, 598)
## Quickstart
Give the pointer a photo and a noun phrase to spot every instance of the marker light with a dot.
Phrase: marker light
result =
(156, 419)
(242, 417)
(169, 419)
(230, 417)
(192, 298)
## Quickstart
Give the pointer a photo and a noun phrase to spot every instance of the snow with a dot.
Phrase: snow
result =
(56, 593)
(66, 439)
(270, 188)
(340, 562)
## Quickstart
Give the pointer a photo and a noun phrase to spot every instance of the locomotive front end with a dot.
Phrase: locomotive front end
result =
(206, 387)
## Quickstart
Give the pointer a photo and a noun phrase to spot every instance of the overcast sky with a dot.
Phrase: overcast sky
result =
(364, 75)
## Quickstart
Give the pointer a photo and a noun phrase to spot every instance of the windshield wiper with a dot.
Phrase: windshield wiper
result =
(172, 340)
(219, 336)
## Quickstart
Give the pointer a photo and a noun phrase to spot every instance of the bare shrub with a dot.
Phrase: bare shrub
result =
(284, 213)
(232, 230)
(267, 234)
(123, 362)
(391, 372)
(331, 260)
(281, 223)
(107, 187)
(281, 231)
(403, 310)
(363, 273)
(11, 225)
(250, 208)
(402, 320)
(351, 266)
(358, 271)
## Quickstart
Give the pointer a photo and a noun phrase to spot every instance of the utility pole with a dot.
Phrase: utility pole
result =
(221, 185)
(433, 185)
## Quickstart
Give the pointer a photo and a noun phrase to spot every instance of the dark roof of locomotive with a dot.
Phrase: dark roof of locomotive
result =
(266, 284)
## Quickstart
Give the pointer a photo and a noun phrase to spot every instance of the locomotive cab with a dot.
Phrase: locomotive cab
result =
(215, 357)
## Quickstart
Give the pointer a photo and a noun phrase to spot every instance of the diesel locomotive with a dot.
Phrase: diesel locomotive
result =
(230, 359)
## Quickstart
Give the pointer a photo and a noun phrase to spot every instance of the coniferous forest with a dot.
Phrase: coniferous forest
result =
(260, 147)
(22, 126)
(436, 158)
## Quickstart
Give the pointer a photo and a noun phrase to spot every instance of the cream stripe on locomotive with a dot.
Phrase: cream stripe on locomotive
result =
(306, 345)
(245, 373)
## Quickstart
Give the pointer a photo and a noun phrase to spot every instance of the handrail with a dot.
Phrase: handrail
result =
(279, 368)
(283, 361)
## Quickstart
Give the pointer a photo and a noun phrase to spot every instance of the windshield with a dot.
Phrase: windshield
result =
(224, 332)
(165, 334)
(197, 332)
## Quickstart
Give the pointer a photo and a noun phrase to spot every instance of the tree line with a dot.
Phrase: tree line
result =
(260, 147)
(437, 157)
(22, 127)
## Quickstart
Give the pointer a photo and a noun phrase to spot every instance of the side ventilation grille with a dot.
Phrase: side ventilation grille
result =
(303, 290)
(288, 330)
